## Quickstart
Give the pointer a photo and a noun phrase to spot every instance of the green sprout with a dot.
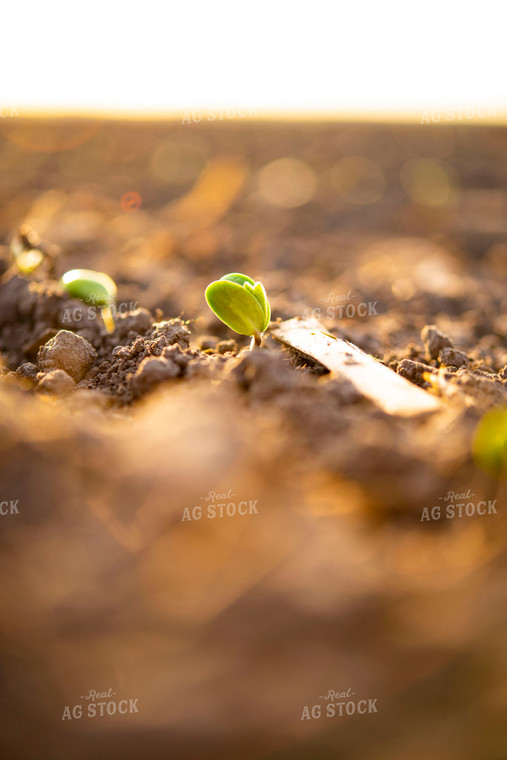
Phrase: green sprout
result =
(92, 287)
(490, 442)
(241, 303)
(25, 250)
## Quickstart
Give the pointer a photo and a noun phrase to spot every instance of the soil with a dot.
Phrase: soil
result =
(225, 629)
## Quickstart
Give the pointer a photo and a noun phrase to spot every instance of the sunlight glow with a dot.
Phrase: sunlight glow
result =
(269, 58)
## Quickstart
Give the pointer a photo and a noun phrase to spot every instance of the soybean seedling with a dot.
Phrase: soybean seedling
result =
(92, 287)
(241, 303)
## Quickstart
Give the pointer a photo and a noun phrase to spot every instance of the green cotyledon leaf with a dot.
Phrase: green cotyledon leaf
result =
(90, 286)
(236, 306)
(260, 294)
(237, 277)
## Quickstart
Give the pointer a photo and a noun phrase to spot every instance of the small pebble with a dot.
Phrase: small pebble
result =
(434, 341)
(27, 371)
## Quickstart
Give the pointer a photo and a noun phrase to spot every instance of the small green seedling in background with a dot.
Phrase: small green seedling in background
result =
(92, 287)
(490, 443)
(25, 250)
(241, 303)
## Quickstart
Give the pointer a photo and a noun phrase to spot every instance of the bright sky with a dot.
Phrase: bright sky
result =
(273, 56)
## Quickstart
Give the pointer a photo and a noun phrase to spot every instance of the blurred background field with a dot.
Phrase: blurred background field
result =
(312, 199)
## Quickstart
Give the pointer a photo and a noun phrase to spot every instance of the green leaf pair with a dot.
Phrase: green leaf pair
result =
(241, 303)
(92, 287)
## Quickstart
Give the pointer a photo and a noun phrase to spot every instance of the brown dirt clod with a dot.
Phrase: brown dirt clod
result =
(414, 371)
(434, 341)
(69, 352)
(57, 382)
(451, 357)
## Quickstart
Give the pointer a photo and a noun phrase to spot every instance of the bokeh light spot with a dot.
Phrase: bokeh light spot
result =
(403, 288)
(131, 201)
(287, 183)
(428, 182)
